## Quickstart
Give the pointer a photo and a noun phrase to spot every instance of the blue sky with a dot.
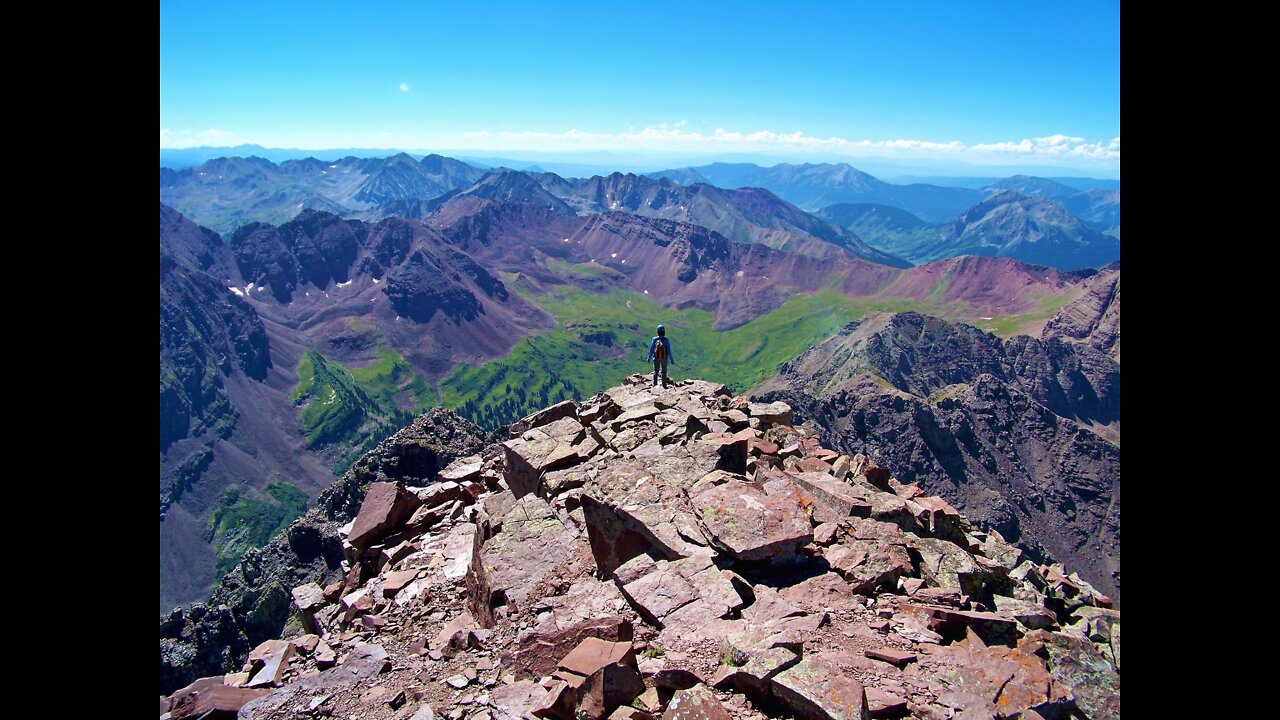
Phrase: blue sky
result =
(984, 83)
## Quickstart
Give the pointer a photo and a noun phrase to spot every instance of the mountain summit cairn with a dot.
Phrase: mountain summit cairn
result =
(675, 552)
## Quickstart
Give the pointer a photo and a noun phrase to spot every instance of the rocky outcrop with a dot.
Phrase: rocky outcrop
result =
(252, 602)
(1021, 434)
(690, 570)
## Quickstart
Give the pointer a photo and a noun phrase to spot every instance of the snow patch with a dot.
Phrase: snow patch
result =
(237, 291)
(646, 292)
(740, 273)
(341, 285)
(376, 281)
(613, 255)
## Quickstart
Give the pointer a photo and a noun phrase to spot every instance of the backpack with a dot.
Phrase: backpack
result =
(660, 350)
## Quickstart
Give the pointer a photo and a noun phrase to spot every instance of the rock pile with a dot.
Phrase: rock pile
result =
(680, 553)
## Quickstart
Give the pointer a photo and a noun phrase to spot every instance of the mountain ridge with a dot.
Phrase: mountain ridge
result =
(695, 548)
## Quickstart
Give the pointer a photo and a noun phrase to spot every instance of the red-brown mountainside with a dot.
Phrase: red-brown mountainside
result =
(237, 317)
(225, 415)
(1094, 317)
(1023, 434)
(748, 215)
(685, 265)
(651, 551)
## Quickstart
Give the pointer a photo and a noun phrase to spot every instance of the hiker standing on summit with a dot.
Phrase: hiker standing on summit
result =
(660, 355)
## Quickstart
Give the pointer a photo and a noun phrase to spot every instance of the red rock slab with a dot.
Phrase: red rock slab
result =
(813, 691)
(893, 656)
(906, 492)
(463, 469)
(308, 598)
(545, 416)
(386, 506)
(558, 704)
(539, 653)
(883, 704)
(213, 701)
(630, 511)
(842, 499)
(592, 654)
(992, 628)
(306, 644)
(776, 413)
(813, 465)
(750, 523)
(272, 670)
(333, 590)
(395, 581)
(607, 689)
(695, 703)
(764, 447)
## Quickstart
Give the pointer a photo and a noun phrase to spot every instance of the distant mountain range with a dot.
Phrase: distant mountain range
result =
(226, 193)
(1005, 224)
(814, 186)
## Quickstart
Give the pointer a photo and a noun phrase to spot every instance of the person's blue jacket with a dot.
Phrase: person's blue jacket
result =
(665, 341)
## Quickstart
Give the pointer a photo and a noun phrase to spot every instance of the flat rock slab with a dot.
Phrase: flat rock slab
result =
(545, 416)
(463, 469)
(308, 598)
(882, 704)
(395, 581)
(842, 499)
(750, 523)
(386, 506)
(892, 656)
(695, 703)
(593, 654)
(813, 691)
(516, 700)
(1000, 680)
(539, 653)
(629, 511)
(213, 700)
(992, 628)
(776, 413)
(274, 665)
(533, 553)
(363, 663)
(657, 595)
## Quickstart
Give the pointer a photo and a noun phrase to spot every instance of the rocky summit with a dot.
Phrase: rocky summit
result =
(675, 552)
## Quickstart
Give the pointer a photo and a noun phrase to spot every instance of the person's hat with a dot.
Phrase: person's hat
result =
(662, 328)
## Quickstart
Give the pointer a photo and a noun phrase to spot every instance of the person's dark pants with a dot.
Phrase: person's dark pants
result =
(660, 366)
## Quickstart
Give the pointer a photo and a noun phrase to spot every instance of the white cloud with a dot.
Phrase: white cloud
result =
(187, 138)
(1058, 148)
(404, 87)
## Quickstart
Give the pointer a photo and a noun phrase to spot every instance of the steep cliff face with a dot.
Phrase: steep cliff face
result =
(1094, 317)
(667, 550)
(206, 334)
(1022, 434)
